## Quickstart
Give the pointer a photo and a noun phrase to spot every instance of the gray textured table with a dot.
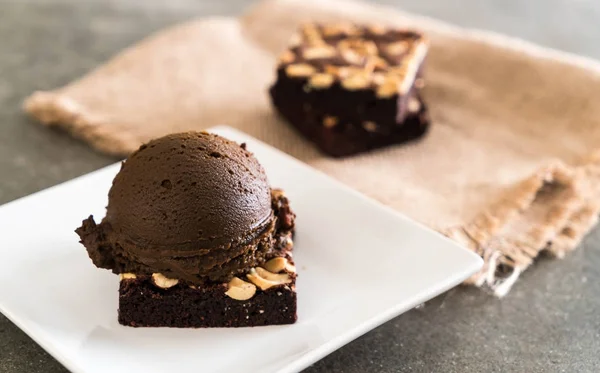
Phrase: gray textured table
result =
(551, 320)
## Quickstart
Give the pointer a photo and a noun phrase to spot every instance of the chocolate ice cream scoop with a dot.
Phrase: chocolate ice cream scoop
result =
(193, 206)
(189, 190)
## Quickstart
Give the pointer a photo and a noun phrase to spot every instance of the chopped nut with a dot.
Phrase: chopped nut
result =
(370, 126)
(300, 70)
(387, 90)
(328, 122)
(360, 46)
(310, 29)
(127, 276)
(389, 87)
(352, 57)
(312, 34)
(280, 278)
(355, 50)
(413, 105)
(317, 52)
(398, 71)
(275, 265)
(357, 81)
(396, 48)
(342, 71)
(239, 289)
(265, 279)
(279, 264)
(369, 48)
(163, 282)
(375, 62)
(287, 57)
(378, 78)
(321, 80)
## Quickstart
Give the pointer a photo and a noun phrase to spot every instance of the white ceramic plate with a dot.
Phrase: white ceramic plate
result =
(360, 264)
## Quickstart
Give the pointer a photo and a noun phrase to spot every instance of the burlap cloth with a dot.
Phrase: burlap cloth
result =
(508, 169)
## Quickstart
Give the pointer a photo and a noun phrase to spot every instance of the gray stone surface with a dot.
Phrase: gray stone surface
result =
(549, 323)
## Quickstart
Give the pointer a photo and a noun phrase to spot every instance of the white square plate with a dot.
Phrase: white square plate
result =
(360, 264)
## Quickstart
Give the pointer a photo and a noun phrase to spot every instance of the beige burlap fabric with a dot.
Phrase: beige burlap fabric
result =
(508, 168)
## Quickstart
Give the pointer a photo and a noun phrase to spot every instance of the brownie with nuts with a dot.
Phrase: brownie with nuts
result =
(198, 237)
(145, 301)
(352, 88)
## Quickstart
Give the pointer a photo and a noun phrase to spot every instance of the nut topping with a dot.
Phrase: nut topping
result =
(378, 78)
(239, 289)
(375, 62)
(287, 57)
(352, 57)
(356, 81)
(300, 70)
(321, 80)
(279, 278)
(318, 52)
(384, 59)
(265, 279)
(359, 46)
(389, 87)
(279, 264)
(312, 35)
(398, 71)
(127, 276)
(163, 282)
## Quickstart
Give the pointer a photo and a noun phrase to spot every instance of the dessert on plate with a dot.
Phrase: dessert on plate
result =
(198, 237)
(351, 88)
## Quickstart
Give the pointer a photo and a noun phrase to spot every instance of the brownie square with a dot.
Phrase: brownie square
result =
(144, 304)
(353, 88)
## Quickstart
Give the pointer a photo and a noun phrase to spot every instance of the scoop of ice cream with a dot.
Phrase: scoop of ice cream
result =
(191, 206)
(188, 190)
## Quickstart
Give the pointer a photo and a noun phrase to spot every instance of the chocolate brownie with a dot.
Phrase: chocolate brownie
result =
(142, 303)
(353, 88)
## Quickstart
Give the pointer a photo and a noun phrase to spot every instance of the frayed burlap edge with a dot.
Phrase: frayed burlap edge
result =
(567, 201)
